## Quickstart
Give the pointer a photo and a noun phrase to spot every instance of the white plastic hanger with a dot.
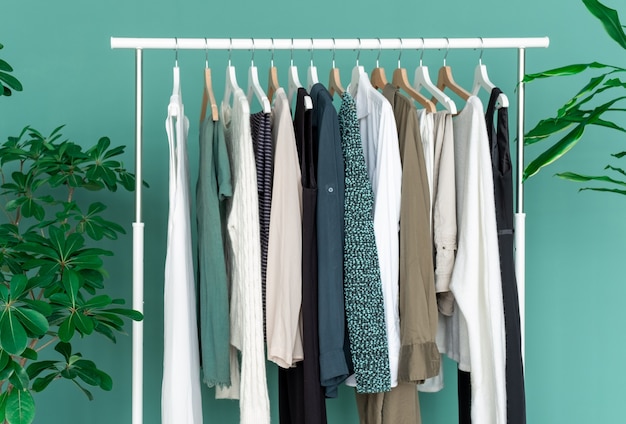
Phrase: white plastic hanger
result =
(334, 80)
(481, 80)
(176, 85)
(356, 74)
(254, 87)
(174, 109)
(311, 75)
(294, 83)
(208, 98)
(231, 78)
(422, 80)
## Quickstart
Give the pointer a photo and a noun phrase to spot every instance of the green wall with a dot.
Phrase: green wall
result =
(575, 291)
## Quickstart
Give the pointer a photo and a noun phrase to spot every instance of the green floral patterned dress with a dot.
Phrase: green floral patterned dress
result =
(362, 285)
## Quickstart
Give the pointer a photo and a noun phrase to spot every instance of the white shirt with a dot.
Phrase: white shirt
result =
(244, 267)
(475, 335)
(181, 401)
(382, 157)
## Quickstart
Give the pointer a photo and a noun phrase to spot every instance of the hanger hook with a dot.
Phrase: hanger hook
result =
(230, 50)
(206, 52)
(272, 59)
(447, 50)
(358, 55)
(423, 48)
(333, 53)
(292, 52)
(253, 48)
(400, 53)
(176, 51)
(380, 47)
(482, 49)
(311, 51)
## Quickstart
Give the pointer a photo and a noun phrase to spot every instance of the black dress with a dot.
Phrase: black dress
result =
(503, 190)
(301, 396)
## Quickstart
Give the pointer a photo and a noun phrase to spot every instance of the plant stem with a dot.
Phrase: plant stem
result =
(48, 343)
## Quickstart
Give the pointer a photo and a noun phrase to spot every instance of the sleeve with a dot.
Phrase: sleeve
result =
(386, 227)
(444, 215)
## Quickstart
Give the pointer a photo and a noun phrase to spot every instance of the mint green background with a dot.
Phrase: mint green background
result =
(575, 293)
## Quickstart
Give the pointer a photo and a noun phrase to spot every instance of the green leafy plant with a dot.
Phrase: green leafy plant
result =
(7, 81)
(51, 270)
(592, 105)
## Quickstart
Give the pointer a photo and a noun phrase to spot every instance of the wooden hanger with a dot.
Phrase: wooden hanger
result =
(445, 79)
(378, 77)
(254, 87)
(208, 97)
(400, 80)
(334, 80)
(272, 79)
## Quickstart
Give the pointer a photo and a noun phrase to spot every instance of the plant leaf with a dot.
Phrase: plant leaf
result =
(593, 83)
(556, 151)
(66, 329)
(82, 389)
(584, 178)
(129, 313)
(20, 377)
(568, 70)
(3, 404)
(13, 337)
(610, 20)
(20, 407)
(613, 168)
(71, 284)
(606, 190)
(34, 321)
(37, 368)
(41, 383)
(64, 349)
(18, 284)
(11, 81)
(29, 354)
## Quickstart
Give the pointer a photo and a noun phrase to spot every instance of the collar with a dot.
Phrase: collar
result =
(362, 96)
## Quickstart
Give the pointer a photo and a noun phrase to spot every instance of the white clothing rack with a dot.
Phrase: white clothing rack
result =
(400, 44)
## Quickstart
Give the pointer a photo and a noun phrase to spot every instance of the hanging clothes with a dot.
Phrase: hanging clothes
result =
(503, 186)
(284, 258)
(399, 406)
(260, 128)
(444, 228)
(382, 156)
(364, 302)
(301, 397)
(213, 188)
(181, 401)
(474, 334)
(244, 256)
(419, 357)
(330, 238)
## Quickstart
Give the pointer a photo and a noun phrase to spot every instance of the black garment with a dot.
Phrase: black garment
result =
(301, 397)
(503, 190)
(464, 387)
(263, 154)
